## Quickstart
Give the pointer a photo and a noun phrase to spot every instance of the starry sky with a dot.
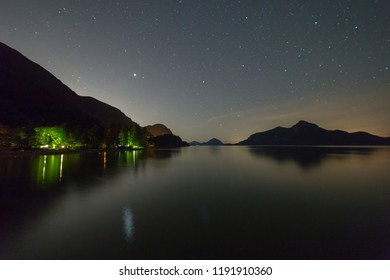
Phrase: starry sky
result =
(222, 69)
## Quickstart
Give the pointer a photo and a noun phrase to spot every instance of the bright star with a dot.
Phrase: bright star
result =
(135, 75)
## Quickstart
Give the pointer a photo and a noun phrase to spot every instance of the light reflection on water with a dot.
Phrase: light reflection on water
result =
(49, 169)
(197, 202)
(128, 223)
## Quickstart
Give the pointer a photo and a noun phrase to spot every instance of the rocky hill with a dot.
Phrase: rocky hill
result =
(305, 133)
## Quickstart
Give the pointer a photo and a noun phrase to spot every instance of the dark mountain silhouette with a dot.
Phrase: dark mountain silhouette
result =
(162, 137)
(305, 133)
(211, 142)
(214, 142)
(31, 96)
(168, 141)
(158, 129)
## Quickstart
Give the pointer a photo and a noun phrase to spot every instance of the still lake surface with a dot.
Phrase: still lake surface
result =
(197, 203)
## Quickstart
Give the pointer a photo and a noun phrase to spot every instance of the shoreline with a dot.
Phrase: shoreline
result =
(63, 151)
(94, 150)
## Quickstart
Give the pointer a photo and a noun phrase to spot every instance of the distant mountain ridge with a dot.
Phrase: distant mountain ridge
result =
(211, 142)
(306, 133)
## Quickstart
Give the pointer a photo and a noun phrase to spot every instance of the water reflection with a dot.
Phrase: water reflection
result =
(37, 170)
(129, 158)
(52, 169)
(61, 163)
(162, 153)
(128, 223)
(204, 215)
(236, 203)
(49, 169)
(308, 157)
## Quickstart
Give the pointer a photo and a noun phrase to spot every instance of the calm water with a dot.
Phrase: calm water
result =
(197, 203)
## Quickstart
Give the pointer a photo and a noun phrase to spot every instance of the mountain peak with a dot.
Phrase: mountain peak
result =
(305, 133)
(305, 124)
(211, 142)
(158, 129)
(214, 142)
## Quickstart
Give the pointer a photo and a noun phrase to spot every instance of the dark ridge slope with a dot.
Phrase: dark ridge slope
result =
(32, 96)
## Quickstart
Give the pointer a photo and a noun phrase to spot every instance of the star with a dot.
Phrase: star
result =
(222, 51)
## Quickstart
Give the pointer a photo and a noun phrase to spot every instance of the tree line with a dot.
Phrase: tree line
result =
(109, 135)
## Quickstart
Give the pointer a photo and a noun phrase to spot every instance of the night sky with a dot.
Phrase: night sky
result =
(222, 69)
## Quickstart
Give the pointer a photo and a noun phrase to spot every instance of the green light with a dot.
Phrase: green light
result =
(54, 137)
(49, 169)
(129, 138)
(50, 137)
(58, 137)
